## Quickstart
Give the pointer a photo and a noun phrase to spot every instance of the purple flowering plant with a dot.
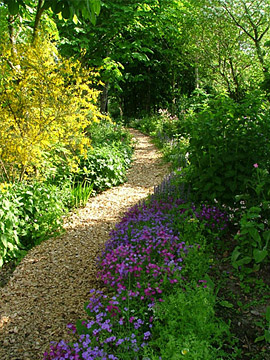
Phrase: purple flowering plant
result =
(140, 266)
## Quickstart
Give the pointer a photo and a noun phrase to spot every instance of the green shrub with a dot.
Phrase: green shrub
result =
(147, 125)
(10, 207)
(29, 214)
(252, 216)
(105, 166)
(105, 132)
(41, 214)
(226, 139)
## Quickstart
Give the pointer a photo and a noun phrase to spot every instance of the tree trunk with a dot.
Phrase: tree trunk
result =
(197, 79)
(12, 37)
(39, 12)
(104, 98)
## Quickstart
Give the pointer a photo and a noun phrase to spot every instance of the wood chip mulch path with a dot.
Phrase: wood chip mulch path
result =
(51, 284)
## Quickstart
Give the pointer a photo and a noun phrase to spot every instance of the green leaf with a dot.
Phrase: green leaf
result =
(96, 6)
(267, 335)
(267, 315)
(239, 262)
(259, 255)
(13, 7)
(3, 239)
(226, 304)
(255, 234)
(235, 254)
(10, 246)
(259, 338)
(75, 19)
(266, 235)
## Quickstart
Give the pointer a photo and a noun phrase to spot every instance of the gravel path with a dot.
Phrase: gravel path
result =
(50, 286)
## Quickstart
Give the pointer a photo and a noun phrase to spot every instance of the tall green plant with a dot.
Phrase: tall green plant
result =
(9, 225)
(226, 139)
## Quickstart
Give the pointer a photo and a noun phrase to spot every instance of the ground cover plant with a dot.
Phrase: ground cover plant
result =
(148, 262)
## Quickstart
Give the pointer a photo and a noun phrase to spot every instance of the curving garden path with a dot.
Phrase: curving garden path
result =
(50, 286)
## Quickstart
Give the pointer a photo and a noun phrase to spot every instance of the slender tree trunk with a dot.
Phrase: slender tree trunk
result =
(12, 37)
(197, 79)
(39, 12)
(260, 56)
(173, 92)
(104, 98)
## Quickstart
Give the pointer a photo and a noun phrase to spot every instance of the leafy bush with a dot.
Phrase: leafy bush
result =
(105, 166)
(46, 103)
(9, 225)
(175, 151)
(30, 213)
(105, 163)
(107, 132)
(252, 216)
(147, 125)
(226, 139)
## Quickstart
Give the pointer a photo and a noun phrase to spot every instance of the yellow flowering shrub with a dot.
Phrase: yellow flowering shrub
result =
(46, 103)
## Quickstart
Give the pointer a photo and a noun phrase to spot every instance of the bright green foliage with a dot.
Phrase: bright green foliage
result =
(106, 163)
(9, 225)
(186, 327)
(41, 214)
(29, 214)
(254, 211)
(104, 166)
(226, 139)
(108, 132)
(68, 8)
(80, 194)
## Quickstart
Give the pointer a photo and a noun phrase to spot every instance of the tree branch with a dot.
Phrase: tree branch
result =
(40, 10)
(237, 22)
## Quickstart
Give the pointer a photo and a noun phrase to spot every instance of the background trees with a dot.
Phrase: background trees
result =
(152, 53)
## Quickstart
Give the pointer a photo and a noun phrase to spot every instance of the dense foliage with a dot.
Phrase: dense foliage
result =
(225, 140)
(29, 213)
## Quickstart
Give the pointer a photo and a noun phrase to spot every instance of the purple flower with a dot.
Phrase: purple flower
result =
(146, 335)
(119, 342)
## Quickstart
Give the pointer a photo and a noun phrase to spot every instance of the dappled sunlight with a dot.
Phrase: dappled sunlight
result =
(4, 320)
